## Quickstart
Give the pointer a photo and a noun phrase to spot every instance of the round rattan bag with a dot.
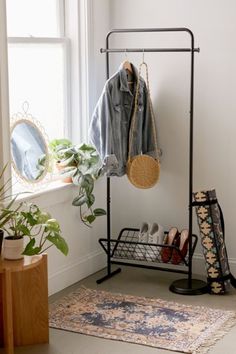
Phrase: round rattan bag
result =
(143, 171)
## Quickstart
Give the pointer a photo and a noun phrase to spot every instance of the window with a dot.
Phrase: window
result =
(38, 53)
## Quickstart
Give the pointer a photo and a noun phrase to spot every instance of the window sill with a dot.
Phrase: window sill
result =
(54, 193)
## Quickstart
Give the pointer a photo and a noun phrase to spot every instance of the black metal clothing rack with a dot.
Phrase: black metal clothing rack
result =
(127, 242)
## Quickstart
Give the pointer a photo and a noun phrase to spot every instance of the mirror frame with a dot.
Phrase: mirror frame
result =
(26, 118)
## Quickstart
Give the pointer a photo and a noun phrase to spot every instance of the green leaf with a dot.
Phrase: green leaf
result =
(90, 200)
(88, 184)
(52, 225)
(86, 147)
(30, 250)
(80, 200)
(43, 217)
(59, 242)
(23, 229)
(99, 212)
(29, 217)
(68, 161)
(3, 170)
(76, 179)
(83, 168)
(56, 142)
(90, 218)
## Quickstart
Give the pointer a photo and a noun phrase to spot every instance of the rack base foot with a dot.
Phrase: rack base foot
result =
(181, 286)
(108, 276)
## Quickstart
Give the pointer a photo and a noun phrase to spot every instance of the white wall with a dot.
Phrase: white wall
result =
(85, 255)
(214, 27)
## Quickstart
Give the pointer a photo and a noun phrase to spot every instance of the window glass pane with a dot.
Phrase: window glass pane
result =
(37, 18)
(36, 75)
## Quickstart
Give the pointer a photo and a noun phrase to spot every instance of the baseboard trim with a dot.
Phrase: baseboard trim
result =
(76, 271)
(199, 265)
(96, 261)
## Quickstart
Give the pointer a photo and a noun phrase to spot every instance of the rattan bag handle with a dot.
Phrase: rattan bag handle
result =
(133, 119)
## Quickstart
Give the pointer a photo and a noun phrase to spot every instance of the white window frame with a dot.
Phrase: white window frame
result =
(66, 50)
(4, 97)
(79, 28)
(76, 23)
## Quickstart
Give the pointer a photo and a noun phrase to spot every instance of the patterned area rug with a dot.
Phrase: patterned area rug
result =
(147, 321)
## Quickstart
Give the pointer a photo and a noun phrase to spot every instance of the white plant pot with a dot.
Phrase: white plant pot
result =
(13, 248)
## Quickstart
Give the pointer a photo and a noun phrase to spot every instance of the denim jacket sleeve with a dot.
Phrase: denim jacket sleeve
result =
(100, 131)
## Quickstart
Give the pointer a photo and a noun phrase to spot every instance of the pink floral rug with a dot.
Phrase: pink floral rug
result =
(140, 320)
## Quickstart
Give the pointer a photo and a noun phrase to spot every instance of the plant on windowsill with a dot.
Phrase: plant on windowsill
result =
(83, 165)
(63, 156)
(38, 226)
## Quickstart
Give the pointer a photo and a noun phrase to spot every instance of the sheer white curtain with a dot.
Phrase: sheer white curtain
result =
(4, 99)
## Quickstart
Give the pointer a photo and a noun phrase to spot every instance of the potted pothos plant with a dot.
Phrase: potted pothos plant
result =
(63, 156)
(41, 230)
(20, 220)
(83, 165)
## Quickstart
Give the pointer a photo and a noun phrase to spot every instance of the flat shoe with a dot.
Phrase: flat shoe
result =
(183, 248)
(170, 240)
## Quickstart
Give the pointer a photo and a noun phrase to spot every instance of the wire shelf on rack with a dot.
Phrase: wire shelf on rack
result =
(128, 247)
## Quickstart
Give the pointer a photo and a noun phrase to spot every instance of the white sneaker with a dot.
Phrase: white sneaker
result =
(143, 233)
(140, 251)
(156, 234)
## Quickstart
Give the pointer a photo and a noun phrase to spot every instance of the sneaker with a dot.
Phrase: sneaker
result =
(143, 233)
(156, 234)
(140, 251)
(155, 237)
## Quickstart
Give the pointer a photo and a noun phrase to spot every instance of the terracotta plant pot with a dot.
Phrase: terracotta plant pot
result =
(13, 248)
(60, 168)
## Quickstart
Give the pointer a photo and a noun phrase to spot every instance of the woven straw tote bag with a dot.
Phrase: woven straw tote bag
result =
(142, 170)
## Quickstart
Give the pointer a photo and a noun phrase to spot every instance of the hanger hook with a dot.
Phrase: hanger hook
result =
(126, 56)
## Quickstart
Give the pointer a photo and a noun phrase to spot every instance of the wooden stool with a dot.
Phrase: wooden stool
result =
(23, 302)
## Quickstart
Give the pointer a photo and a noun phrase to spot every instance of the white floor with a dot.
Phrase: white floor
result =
(133, 281)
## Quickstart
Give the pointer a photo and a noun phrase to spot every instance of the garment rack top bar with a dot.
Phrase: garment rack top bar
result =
(164, 29)
(147, 50)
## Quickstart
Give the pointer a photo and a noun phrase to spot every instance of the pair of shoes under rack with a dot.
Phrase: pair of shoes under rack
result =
(180, 240)
(153, 235)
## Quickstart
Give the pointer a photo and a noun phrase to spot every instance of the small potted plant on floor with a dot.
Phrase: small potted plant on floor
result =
(42, 231)
(20, 220)
(83, 165)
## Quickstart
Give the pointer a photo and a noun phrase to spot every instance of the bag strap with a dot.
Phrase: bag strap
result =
(222, 279)
(133, 119)
(210, 202)
(230, 275)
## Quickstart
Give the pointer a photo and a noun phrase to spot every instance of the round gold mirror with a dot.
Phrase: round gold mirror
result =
(29, 150)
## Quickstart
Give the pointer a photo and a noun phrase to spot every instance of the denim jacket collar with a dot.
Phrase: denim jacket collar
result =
(124, 86)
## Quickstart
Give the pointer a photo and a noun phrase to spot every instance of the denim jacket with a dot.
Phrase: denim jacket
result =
(110, 124)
